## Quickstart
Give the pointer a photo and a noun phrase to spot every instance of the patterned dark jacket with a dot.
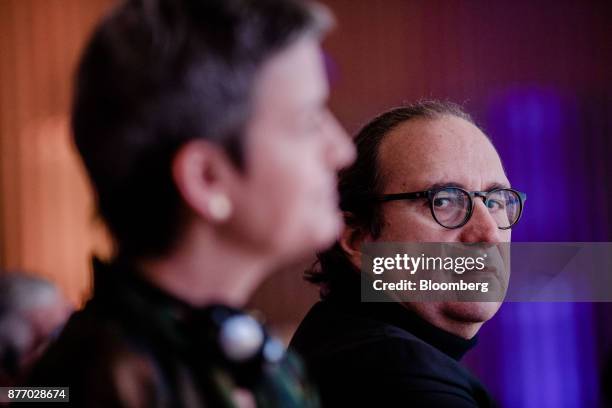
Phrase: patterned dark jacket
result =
(134, 345)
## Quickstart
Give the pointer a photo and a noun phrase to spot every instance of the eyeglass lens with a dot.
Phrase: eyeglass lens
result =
(452, 206)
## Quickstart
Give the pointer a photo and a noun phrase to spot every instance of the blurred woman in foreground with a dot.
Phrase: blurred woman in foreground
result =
(204, 129)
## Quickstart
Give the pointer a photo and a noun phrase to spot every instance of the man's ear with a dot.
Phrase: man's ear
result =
(202, 173)
(352, 239)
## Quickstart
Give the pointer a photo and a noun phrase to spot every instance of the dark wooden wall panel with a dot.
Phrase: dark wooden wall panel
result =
(45, 206)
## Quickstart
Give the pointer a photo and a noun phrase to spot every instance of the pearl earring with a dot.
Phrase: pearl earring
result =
(220, 207)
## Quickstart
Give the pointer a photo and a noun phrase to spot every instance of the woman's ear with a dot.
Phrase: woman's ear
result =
(202, 172)
(352, 239)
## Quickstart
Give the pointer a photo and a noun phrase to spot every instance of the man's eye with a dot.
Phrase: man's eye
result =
(442, 203)
(495, 204)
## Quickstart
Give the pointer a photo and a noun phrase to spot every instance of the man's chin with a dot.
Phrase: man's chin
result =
(471, 312)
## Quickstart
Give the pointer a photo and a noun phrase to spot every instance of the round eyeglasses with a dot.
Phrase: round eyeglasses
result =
(452, 207)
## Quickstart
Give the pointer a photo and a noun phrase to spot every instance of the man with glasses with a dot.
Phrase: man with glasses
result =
(424, 173)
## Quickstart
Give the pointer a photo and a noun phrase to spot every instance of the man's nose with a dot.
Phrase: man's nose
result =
(481, 227)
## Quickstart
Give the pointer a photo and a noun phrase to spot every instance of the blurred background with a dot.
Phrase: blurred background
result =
(537, 76)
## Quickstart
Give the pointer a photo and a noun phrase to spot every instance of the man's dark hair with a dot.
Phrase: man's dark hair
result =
(360, 183)
(158, 73)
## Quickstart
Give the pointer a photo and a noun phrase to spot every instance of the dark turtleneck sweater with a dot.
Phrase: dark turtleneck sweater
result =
(383, 355)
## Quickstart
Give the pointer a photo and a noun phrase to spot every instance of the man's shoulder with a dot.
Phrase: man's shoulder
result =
(329, 332)
(367, 360)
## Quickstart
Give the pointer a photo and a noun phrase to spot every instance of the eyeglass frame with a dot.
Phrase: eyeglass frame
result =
(429, 194)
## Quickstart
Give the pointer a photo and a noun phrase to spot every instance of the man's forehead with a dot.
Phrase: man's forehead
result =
(425, 153)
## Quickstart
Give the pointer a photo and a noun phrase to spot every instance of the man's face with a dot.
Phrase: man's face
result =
(447, 151)
(288, 203)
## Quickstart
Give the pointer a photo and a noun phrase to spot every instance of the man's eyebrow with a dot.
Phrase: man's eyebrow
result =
(490, 187)
(494, 186)
(446, 184)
